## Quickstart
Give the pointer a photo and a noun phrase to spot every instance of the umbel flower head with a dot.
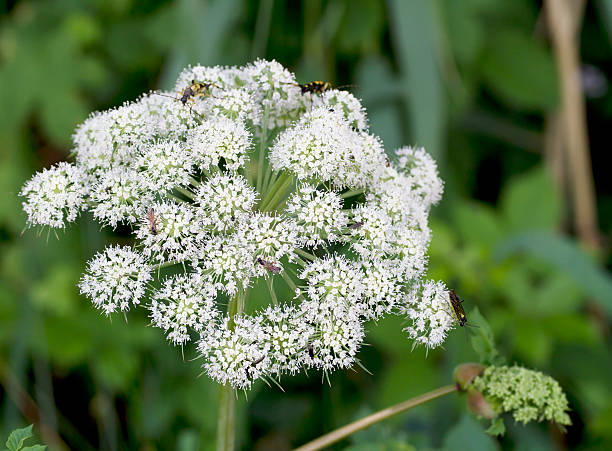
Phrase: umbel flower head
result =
(529, 395)
(239, 178)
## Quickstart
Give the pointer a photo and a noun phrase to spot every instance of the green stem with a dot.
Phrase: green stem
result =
(351, 193)
(291, 283)
(185, 192)
(270, 282)
(178, 199)
(305, 254)
(282, 181)
(226, 423)
(262, 148)
(334, 436)
(279, 194)
(226, 420)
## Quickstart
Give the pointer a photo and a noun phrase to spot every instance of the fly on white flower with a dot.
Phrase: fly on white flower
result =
(253, 185)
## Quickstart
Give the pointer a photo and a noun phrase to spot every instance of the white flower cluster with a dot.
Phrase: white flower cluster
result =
(242, 177)
(115, 278)
(55, 195)
(428, 306)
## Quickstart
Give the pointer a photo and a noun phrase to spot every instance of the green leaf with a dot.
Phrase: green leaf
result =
(34, 448)
(379, 90)
(17, 437)
(531, 201)
(532, 342)
(468, 431)
(497, 427)
(477, 223)
(482, 340)
(566, 255)
(414, 28)
(199, 28)
(361, 25)
(187, 440)
(520, 70)
(55, 292)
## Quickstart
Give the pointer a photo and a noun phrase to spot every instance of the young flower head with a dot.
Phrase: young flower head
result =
(169, 232)
(184, 304)
(318, 214)
(239, 180)
(115, 279)
(529, 395)
(428, 309)
(55, 196)
(216, 138)
(224, 200)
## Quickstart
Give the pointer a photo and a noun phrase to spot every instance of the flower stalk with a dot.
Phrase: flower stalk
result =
(226, 420)
(343, 432)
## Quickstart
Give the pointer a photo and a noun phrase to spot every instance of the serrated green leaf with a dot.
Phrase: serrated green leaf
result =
(17, 437)
(497, 427)
(531, 201)
(482, 339)
(34, 448)
(520, 69)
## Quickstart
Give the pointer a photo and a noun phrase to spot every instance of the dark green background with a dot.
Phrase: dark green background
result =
(472, 80)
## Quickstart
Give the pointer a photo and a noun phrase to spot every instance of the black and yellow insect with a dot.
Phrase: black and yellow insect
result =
(195, 89)
(315, 87)
(457, 308)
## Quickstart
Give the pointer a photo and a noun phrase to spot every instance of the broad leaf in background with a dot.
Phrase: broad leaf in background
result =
(380, 88)
(566, 255)
(414, 31)
(468, 431)
(200, 28)
(531, 201)
(520, 70)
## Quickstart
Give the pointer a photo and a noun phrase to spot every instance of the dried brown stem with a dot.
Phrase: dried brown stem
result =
(564, 19)
(334, 436)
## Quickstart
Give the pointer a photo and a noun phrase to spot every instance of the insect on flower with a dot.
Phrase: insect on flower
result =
(196, 89)
(457, 308)
(252, 365)
(317, 87)
(152, 221)
(269, 265)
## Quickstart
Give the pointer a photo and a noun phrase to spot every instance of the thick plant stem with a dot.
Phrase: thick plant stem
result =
(564, 20)
(226, 422)
(334, 436)
(226, 419)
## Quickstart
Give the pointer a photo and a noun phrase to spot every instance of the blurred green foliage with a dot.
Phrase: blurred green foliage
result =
(472, 80)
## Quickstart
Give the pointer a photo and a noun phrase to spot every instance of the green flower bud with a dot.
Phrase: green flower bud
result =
(530, 395)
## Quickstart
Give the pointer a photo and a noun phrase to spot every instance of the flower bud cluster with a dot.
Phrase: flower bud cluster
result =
(528, 394)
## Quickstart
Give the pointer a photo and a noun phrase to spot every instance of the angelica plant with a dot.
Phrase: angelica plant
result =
(253, 182)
